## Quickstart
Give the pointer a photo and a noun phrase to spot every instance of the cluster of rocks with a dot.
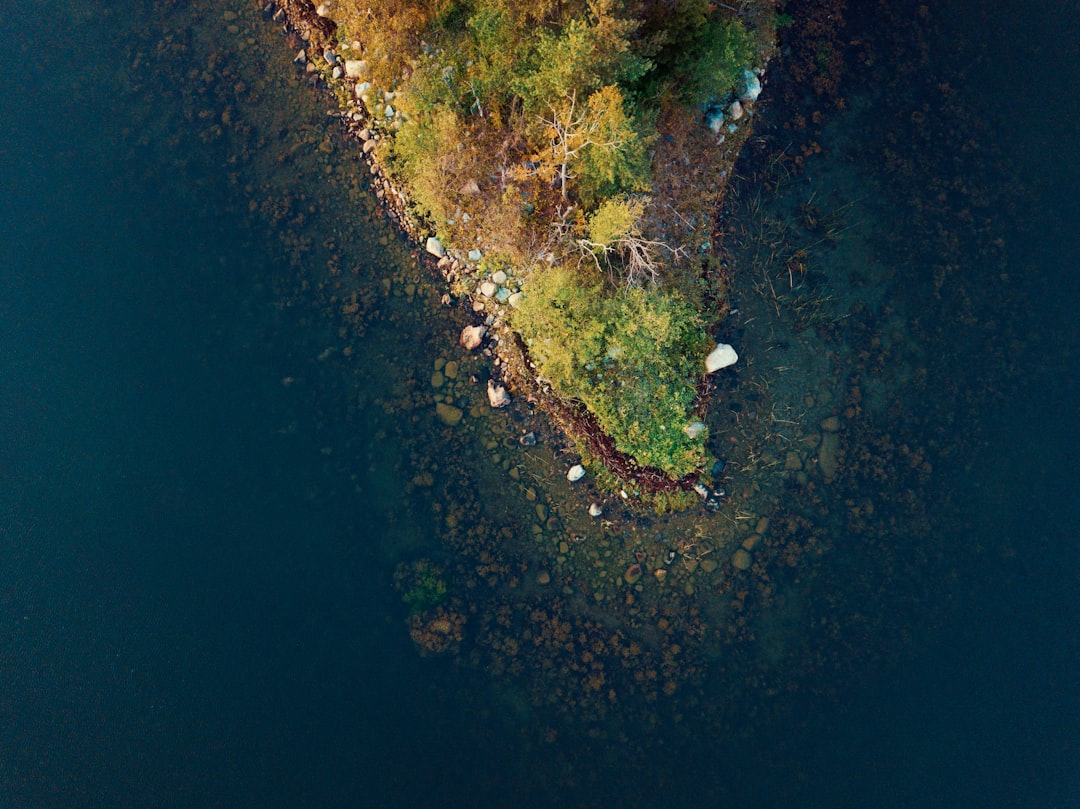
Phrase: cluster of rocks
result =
(733, 108)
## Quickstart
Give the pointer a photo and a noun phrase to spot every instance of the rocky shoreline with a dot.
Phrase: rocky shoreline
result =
(313, 34)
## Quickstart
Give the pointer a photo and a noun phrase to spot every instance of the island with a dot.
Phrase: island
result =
(564, 162)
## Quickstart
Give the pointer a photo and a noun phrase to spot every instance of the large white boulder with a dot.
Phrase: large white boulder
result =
(472, 336)
(720, 357)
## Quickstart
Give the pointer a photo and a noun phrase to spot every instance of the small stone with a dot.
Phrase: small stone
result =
(449, 414)
(751, 541)
(437, 379)
(831, 424)
(564, 547)
(595, 510)
(720, 357)
(487, 289)
(475, 255)
(735, 111)
(633, 573)
(660, 574)
(336, 73)
(793, 463)
(472, 336)
(762, 525)
(514, 299)
(742, 560)
(528, 440)
(451, 369)
(709, 565)
(498, 277)
(470, 189)
(695, 429)
(355, 68)
(497, 395)
(576, 473)
(228, 16)
(543, 577)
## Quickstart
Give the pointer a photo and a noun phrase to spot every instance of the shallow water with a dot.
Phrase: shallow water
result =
(205, 497)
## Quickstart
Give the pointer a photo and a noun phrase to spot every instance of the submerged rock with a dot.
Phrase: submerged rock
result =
(827, 462)
(742, 559)
(449, 414)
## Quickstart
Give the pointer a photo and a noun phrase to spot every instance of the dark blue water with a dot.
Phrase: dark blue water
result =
(195, 599)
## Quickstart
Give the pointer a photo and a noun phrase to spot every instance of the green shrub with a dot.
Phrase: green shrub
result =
(723, 48)
(631, 358)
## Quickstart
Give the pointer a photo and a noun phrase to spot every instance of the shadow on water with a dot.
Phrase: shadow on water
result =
(204, 498)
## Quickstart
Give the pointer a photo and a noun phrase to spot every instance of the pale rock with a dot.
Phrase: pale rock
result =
(487, 289)
(472, 336)
(497, 395)
(515, 299)
(695, 429)
(735, 111)
(595, 510)
(720, 357)
(715, 121)
(355, 68)
(498, 277)
(434, 246)
(751, 87)
(576, 473)
(475, 255)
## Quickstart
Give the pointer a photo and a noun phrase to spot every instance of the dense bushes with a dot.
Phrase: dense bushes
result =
(632, 358)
